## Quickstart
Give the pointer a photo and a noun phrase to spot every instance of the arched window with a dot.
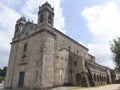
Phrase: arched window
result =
(69, 48)
(20, 28)
(41, 18)
(100, 78)
(77, 52)
(49, 19)
(105, 78)
(95, 77)
(75, 63)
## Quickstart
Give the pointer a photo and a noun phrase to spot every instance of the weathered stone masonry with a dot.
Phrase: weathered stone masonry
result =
(42, 57)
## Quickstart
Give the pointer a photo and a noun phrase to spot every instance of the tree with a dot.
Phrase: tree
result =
(3, 71)
(115, 48)
(0, 70)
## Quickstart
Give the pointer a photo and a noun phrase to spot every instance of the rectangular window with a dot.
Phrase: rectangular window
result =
(75, 63)
(77, 52)
(25, 47)
(69, 48)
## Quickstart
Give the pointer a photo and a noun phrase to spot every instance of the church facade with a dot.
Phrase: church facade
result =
(42, 57)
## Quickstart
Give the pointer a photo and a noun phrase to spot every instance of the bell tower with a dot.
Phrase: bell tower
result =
(46, 14)
(19, 26)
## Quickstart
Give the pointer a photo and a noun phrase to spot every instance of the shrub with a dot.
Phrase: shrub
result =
(1, 79)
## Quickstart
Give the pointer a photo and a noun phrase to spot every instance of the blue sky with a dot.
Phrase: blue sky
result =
(93, 23)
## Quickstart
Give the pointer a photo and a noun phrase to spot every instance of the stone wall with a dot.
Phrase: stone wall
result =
(29, 61)
(61, 68)
(11, 64)
(48, 60)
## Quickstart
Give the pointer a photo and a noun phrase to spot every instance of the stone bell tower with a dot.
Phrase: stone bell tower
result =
(19, 26)
(46, 14)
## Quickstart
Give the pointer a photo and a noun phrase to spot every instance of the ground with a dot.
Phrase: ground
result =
(106, 87)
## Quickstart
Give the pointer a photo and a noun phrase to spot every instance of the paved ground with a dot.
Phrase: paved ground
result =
(1, 86)
(106, 87)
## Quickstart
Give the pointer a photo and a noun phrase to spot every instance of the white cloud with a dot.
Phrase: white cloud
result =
(30, 8)
(13, 3)
(103, 22)
(11, 10)
(102, 54)
(7, 22)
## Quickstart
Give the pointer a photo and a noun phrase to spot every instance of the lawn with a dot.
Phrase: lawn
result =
(1, 78)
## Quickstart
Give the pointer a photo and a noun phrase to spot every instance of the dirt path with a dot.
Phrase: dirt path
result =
(107, 87)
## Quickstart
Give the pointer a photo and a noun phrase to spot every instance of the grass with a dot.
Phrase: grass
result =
(1, 79)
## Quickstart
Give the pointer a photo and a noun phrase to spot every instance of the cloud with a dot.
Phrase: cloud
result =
(12, 10)
(102, 54)
(103, 22)
(15, 4)
(30, 8)
(7, 23)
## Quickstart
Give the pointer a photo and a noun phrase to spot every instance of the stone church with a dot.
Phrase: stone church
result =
(42, 57)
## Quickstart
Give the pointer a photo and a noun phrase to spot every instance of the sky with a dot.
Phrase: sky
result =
(93, 23)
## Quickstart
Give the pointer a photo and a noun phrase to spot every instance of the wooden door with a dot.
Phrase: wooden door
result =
(21, 79)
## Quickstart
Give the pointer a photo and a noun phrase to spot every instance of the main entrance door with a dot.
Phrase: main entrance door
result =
(21, 79)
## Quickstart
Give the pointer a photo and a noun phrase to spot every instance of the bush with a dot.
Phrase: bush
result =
(3, 71)
(1, 79)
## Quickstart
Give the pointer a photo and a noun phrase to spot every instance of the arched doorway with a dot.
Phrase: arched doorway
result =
(95, 77)
(78, 79)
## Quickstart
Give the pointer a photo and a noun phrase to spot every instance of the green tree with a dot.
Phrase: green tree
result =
(1, 78)
(115, 48)
(3, 71)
